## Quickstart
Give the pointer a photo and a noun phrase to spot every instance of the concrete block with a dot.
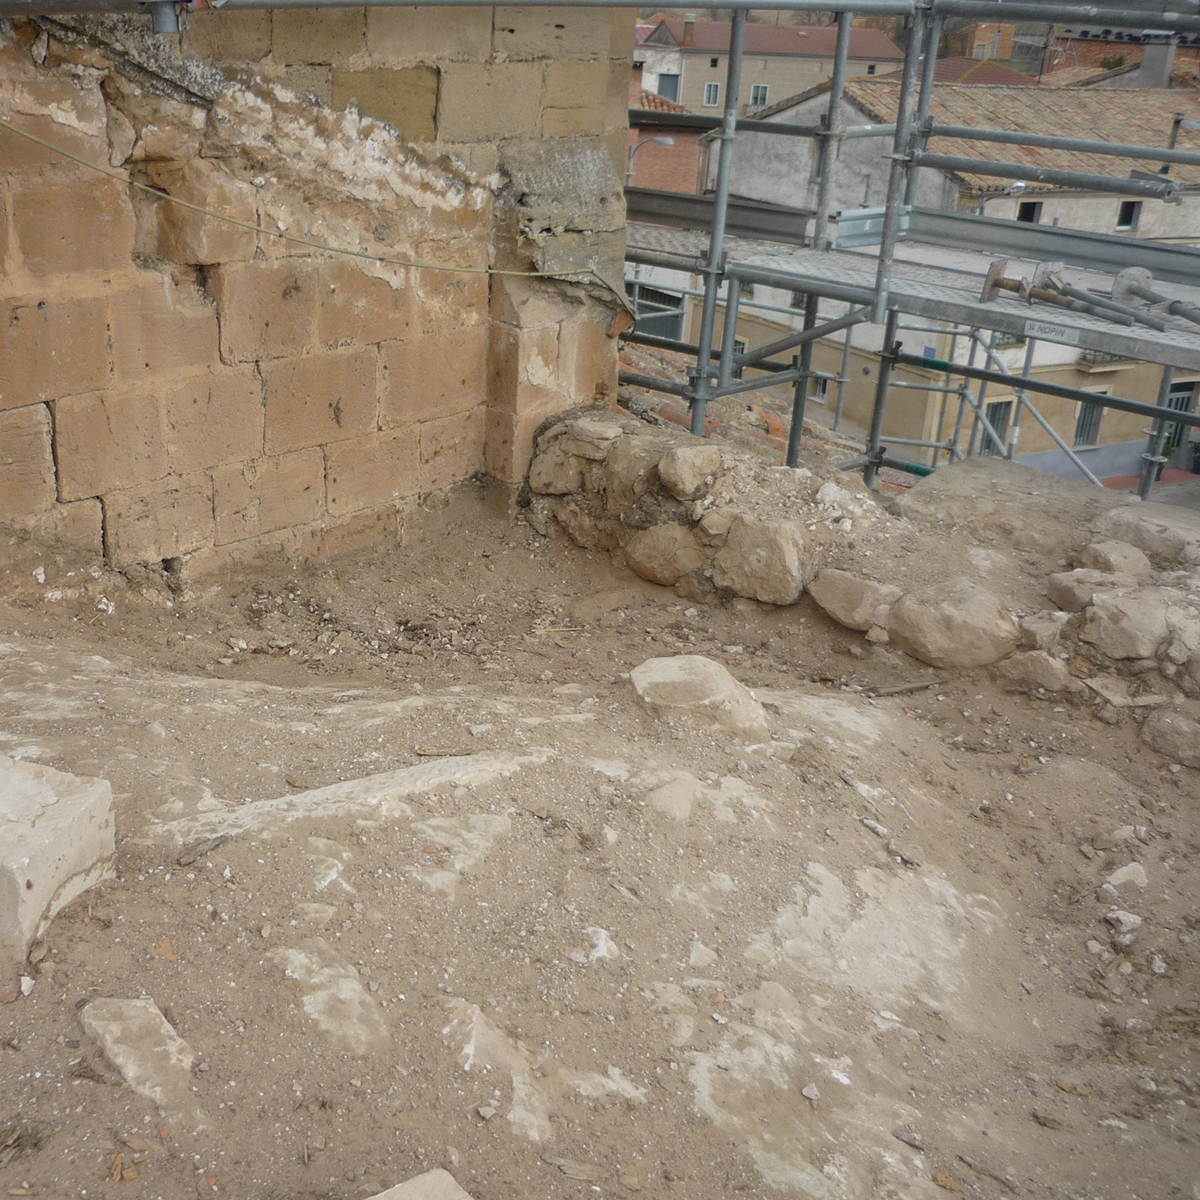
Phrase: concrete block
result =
(159, 329)
(106, 441)
(432, 1185)
(56, 840)
(187, 236)
(451, 449)
(151, 1057)
(265, 311)
(92, 227)
(547, 33)
(400, 36)
(328, 35)
(266, 494)
(405, 97)
(51, 348)
(163, 520)
(214, 419)
(234, 37)
(27, 483)
(576, 98)
(353, 306)
(435, 376)
(366, 472)
(481, 101)
(319, 398)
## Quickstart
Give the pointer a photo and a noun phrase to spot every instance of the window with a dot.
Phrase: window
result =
(818, 390)
(758, 95)
(870, 68)
(739, 347)
(1180, 399)
(998, 414)
(714, 62)
(1129, 214)
(981, 49)
(712, 95)
(1087, 423)
(798, 300)
(1030, 211)
(668, 86)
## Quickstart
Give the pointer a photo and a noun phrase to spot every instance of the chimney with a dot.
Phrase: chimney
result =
(689, 29)
(1158, 60)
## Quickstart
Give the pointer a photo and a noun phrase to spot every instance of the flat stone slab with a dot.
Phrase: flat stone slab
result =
(690, 686)
(433, 1185)
(151, 1057)
(56, 839)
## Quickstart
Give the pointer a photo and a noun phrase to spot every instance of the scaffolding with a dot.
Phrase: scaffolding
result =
(1115, 323)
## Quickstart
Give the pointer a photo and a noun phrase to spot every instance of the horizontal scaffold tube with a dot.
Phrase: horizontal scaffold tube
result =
(1048, 175)
(1052, 142)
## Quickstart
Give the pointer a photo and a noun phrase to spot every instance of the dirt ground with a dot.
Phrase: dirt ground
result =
(596, 954)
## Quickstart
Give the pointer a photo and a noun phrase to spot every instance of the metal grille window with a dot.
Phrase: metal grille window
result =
(758, 95)
(712, 95)
(1129, 214)
(739, 347)
(1087, 424)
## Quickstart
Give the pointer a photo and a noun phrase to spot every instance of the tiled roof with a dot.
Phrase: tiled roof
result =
(807, 40)
(656, 103)
(1084, 75)
(1142, 116)
(642, 33)
(978, 71)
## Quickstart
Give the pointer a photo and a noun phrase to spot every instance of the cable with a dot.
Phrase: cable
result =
(158, 194)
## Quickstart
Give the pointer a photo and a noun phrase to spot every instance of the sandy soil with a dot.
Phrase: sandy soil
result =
(600, 955)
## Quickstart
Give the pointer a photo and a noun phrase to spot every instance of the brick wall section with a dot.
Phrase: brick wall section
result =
(178, 388)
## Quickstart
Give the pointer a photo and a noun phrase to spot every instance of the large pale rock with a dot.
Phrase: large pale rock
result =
(1175, 736)
(1167, 530)
(334, 996)
(687, 472)
(554, 472)
(692, 687)
(958, 624)
(1073, 591)
(851, 600)
(767, 560)
(664, 554)
(1127, 624)
(590, 438)
(1118, 558)
(433, 1185)
(56, 840)
(1034, 670)
(151, 1057)
(630, 469)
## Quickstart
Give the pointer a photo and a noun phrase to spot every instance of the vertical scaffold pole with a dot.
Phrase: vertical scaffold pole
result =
(800, 392)
(874, 438)
(701, 386)
(929, 52)
(1152, 459)
(827, 143)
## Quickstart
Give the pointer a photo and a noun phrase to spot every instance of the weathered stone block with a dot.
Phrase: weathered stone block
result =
(481, 101)
(576, 97)
(151, 1057)
(957, 624)
(27, 483)
(851, 600)
(303, 80)
(92, 228)
(319, 398)
(552, 33)
(432, 1185)
(75, 526)
(328, 35)
(664, 554)
(767, 560)
(51, 348)
(425, 379)
(692, 687)
(1168, 530)
(265, 311)
(1035, 670)
(399, 36)
(622, 33)
(687, 472)
(235, 36)
(405, 97)
(369, 471)
(266, 494)
(163, 520)
(160, 329)
(1174, 735)
(451, 450)
(106, 441)
(1072, 591)
(509, 446)
(214, 419)
(187, 236)
(555, 472)
(56, 840)
(1119, 558)
(353, 306)
(584, 340)
(1128, 624)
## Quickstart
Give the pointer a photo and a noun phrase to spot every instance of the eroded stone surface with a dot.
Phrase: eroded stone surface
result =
(851, 600)
(692, 687)
(432, 1185)
(1175, 736)
(958, 625)
(1119, 558)
(56, 840)
(767, 560)
(1125, 624)
(664, 554)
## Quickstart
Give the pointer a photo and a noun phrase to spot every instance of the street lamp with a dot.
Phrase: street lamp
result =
(662, 141)
(1013, 190)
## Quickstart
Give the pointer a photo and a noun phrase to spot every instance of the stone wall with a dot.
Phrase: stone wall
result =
(181, 389)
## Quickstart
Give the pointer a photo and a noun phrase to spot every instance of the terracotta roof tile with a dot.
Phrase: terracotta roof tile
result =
(1141, 116)
(807, 40)
(978, 71)
(657, 103)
